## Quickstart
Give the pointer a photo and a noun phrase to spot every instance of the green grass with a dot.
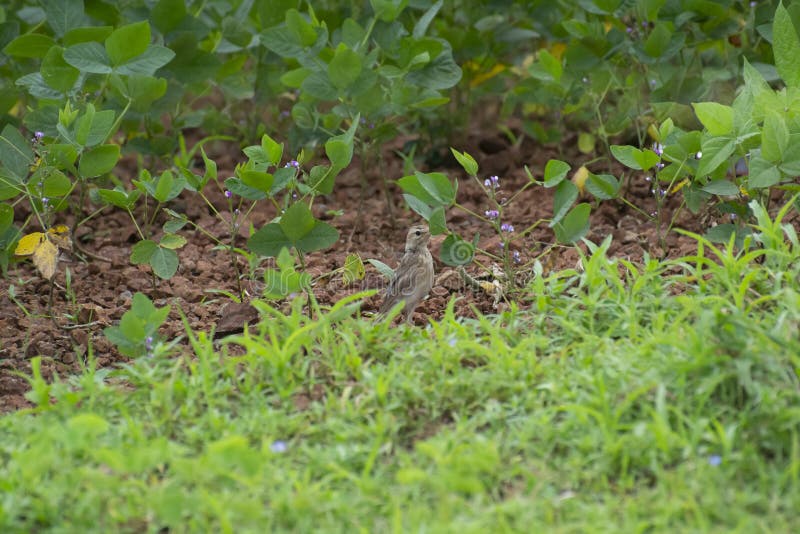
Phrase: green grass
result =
(661, 397)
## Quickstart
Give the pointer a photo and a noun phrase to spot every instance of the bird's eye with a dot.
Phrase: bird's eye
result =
(418, 232)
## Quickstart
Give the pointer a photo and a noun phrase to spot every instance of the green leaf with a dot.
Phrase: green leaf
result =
(166, 15)
(419, 206)
(164, 186)
(433, 188)
(626, 155)
(87, 34)
(774, 137)
(721, 187)
(786, 47)
(602, 186)
(575, 224)
(272, 149)
(345, 67)
(441, 73)
(239, 188)
(6, 217)
(554, 172)
(56, 184)
(127, 42)
(716, 151)
(339, 149)
(98, 160)
(566, 195)
(321, 178)
(56, 72)
(717, 118)
(172, 241)
(384, 269)
(657, 42)
(146, 64)
(322, 236)
(16, 155)
(30, 45)
(763, 174)
(88, 57)
(456, 251)
(268, 240)
(300, 28)
(164, 263)
(297, 221)
(143, 251)
(465, 160)
(63, 15)
(646, 158)
(436, 221)
(257, 180)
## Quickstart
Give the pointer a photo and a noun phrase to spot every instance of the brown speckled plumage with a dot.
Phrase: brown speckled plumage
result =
(414, 275)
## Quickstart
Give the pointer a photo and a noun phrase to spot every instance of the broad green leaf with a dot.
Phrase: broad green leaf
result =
(98, 160)
(658, 41)
(268, 240)
(56, 184)
(339, 149)
(763, 174)
(15, 152)
(143, 251)
(153, 58)
(554, 172)
(321, 236)
(646, 158)
(717, 118)
(87, 34)
(437, 222)
(257, 180)
(353, 269)
(239, 188)
(166, 15)
(297, 221)
(56, 72)
(164, 186)
(627, 155)
(164, 263)
(345, 67)
(566, 195)
(321, 178)
(434, 189)
(64, 15)
(88, 57)
(172, 241)
(465, 160)
(300, 28)
(456, 251)
(384, 269)
(441, 73)
(786, 47)
(574, 225)
(774, 137)
(272, 149)
(6, 217)
(420, 207)
(721, 187)
(127, 42)
(715, 152)
(602, 186)
(29, 45)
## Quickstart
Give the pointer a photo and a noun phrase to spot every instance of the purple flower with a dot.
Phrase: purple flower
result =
(714, 460)
(658, 148)
(279, 446)
(698, 155)
(37, 136)
(505, 227)
(294, 163)
(516, 257)
(285, 113)
(228, 194)
(753, 3)
(492, 214)
(629, 29)
(45, 201)
(492, 181)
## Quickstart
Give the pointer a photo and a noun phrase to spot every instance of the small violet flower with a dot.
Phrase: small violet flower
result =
(228, 194)
(714, 460)
(38, 136)
(658, 148)
(516, 257)
(698, 155)
(294, 163)
(492, 181)
(45, 201)
(492, 214)
(505, 227)
(279, 446)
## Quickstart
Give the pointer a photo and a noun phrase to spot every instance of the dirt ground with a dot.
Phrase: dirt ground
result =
(101, 291)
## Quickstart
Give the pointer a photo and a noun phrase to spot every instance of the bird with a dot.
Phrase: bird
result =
(413, 278)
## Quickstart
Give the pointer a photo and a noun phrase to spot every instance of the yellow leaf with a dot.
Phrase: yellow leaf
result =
(677, 187)
(59, 235)
(480, 78)
(579, 177)
(45, 258)
(557, 50)
(29, 243)
(652, 130)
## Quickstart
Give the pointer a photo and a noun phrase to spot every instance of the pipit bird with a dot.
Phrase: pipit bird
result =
(413, 277)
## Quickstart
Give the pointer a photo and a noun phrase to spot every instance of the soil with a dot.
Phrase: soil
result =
(99, 292)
